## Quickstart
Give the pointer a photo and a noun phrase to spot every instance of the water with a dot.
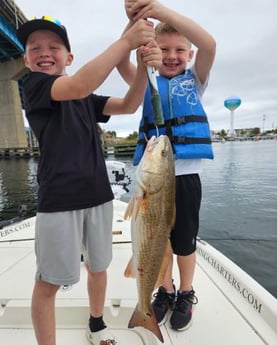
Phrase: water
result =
(239, 205)
(239, 208)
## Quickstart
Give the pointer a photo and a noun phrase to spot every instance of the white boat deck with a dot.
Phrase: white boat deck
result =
(222, 316)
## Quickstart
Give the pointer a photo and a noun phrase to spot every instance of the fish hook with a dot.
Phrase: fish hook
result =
(145, 137)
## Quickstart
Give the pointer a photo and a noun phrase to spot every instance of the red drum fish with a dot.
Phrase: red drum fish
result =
(152, 213)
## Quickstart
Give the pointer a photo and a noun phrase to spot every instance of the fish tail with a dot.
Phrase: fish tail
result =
(138, 319)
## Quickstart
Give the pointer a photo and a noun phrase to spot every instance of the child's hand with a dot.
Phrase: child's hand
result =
(143, 9)
(128, 8)
(150, 55)
(141, 33)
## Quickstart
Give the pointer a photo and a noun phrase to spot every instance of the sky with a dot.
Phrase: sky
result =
(245, 65)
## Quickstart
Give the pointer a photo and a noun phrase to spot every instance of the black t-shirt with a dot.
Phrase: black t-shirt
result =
(72, 173)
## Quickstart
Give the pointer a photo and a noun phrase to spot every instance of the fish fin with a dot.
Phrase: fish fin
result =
(134, 206)
(139, 202)
(138, 319)
(167, 258)
(130, 269)
(130, 208)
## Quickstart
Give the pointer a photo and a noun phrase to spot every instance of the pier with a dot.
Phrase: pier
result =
(124, 150)
(29, 152)
(19, 152)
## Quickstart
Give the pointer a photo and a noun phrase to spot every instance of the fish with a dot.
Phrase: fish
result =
(152, 213)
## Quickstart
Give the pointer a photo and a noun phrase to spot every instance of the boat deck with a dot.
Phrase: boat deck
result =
(216, 319)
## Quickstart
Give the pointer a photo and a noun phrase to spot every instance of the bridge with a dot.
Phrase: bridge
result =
(12, 69)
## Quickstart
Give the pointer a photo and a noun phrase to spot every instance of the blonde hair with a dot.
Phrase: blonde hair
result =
(164, 28)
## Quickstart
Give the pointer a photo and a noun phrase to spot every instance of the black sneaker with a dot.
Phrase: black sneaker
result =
(182, 310)
(163, 300)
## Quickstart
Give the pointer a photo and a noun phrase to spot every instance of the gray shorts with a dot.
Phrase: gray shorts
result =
(61, 238)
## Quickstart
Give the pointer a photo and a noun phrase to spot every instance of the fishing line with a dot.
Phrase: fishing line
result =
(157, 130)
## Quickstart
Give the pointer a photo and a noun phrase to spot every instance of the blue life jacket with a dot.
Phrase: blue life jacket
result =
(185, 121)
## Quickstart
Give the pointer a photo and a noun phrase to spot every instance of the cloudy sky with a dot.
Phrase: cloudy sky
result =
(245, 64)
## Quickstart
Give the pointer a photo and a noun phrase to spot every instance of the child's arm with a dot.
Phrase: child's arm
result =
(149, 55)
(142, 9)
(89, 77)
(126, 68)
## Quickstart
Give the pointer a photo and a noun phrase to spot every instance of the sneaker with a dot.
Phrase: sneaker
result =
(182, 310)
(103, 337)
(163, 300)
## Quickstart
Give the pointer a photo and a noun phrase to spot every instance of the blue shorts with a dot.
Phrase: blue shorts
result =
(188, 200)
(61, 238)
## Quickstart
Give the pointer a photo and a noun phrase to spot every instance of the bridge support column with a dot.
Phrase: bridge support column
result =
(12, 132)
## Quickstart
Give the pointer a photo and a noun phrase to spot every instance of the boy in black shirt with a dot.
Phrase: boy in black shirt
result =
(74, 197)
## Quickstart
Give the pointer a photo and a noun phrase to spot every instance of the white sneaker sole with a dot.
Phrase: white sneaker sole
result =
(103, 337)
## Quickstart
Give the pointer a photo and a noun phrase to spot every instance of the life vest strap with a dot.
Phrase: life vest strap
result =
(180, 120)
(190, 140)
(182, 140)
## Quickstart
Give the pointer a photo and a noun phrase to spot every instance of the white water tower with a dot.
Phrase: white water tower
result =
(232, 103)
